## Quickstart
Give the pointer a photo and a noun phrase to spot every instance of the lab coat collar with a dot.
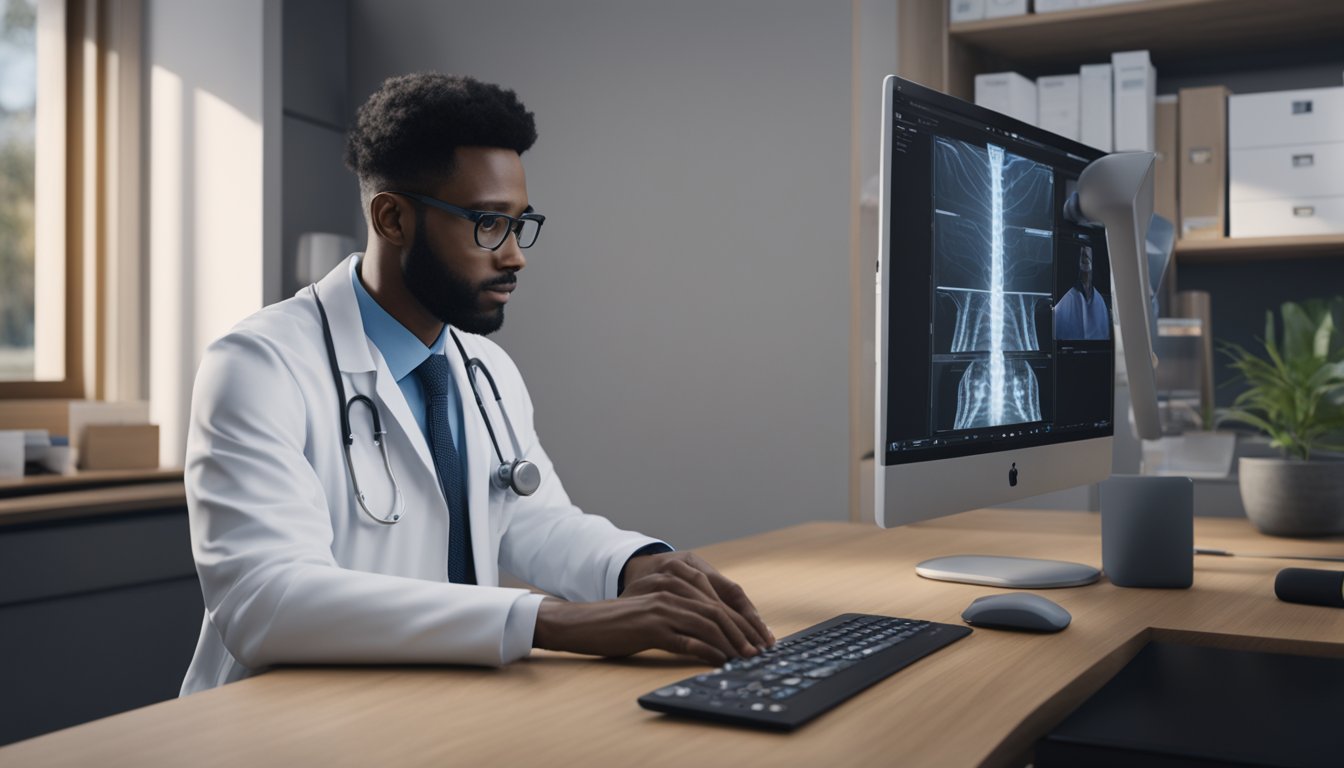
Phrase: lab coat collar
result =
(347, 330)
(356, 354)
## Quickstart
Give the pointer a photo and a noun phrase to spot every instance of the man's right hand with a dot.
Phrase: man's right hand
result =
(657, 611)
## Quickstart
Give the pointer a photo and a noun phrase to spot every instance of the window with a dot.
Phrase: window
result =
(69, 198)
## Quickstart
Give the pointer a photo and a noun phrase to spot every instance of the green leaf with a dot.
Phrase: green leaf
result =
(1299, 332)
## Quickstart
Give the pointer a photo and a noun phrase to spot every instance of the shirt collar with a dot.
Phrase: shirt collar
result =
(402, 350)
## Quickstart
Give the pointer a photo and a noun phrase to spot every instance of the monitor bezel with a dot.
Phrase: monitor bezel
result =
(944, 486)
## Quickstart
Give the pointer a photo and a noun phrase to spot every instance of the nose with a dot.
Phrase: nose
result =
(509, 256)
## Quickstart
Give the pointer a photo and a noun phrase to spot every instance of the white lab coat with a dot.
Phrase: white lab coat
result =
(292, 571)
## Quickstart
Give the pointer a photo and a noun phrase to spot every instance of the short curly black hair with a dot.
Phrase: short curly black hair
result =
(405, 135)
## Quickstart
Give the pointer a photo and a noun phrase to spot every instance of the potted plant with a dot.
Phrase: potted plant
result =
(1296, 396)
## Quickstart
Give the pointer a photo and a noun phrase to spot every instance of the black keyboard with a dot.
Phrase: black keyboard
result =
(806, 673)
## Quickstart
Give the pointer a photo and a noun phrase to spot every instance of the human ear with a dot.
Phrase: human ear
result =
(392, 219)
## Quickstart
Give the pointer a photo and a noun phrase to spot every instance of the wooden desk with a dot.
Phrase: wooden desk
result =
(984, 700)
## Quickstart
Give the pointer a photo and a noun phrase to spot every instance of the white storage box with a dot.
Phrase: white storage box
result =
(1286, 163)
(1303, 170)
(966, 10)
(1288, 217)
(1310, 116)
(995, 9)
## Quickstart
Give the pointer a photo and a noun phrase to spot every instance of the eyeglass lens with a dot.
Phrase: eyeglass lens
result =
(491, 231)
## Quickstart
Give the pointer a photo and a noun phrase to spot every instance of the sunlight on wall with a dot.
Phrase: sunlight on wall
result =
(167, 394)
(227, 237)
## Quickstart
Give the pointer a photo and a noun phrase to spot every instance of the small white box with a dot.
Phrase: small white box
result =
(1299, 170)
(1286, 217)
(1094, 106)
(1285, 117)
(1008, 93)
(966, 10)
(997, 9)
(1058, 105)
(1052, 6)
(11, 453)
(1135, 86)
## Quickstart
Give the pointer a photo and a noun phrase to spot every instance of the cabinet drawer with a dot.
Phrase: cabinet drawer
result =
(1292, 216)
(1311, 116)
(1303, 170)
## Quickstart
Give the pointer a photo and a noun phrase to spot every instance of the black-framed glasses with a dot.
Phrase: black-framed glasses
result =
(492, 228)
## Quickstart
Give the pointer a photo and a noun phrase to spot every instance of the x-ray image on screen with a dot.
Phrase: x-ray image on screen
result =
(994, 278)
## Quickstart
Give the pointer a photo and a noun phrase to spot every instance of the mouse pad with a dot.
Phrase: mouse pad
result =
(1183, 705)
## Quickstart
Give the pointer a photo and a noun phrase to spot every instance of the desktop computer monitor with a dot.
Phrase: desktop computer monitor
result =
(995, 341)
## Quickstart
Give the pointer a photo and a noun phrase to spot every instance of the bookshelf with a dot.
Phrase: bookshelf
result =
(1181, 35)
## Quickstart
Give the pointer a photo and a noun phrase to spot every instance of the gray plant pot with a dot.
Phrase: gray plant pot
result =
(1289, 497)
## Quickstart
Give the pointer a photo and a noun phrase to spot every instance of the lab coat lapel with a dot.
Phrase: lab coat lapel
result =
(356, 355)
(480, 465)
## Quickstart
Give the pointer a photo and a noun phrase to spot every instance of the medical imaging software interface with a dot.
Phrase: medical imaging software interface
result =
(1000, 312)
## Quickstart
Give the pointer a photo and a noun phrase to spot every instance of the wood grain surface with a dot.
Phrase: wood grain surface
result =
(981, 701)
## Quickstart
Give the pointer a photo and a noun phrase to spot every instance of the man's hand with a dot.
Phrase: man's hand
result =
(673, 601)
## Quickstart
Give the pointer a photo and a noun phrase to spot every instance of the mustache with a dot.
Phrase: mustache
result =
(507, 281)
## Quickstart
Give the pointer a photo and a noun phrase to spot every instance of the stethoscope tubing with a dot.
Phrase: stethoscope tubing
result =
(520, 476)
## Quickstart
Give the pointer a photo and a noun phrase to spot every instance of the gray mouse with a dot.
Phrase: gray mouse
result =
(1017, 610)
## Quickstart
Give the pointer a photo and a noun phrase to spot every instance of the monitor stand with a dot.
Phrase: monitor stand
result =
(1010, 572)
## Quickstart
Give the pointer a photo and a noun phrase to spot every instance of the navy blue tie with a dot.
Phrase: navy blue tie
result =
(436, 376)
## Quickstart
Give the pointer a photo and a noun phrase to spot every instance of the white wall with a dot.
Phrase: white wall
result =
(683, 323)
(213, 253)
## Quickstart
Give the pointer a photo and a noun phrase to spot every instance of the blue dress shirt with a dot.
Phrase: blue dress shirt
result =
(404, 352)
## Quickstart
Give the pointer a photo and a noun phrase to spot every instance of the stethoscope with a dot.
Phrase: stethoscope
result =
(520, 475)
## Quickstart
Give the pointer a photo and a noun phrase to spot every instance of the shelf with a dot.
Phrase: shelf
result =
(1169, 29)
(35, 484)
(1258, 248)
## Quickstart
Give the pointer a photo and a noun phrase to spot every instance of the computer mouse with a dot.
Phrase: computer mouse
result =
(1017, 610)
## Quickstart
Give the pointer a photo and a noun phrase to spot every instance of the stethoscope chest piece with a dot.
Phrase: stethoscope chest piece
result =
(520, 475)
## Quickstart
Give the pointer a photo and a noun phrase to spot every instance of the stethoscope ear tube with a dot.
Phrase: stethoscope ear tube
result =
(520, 475)
(348, 435)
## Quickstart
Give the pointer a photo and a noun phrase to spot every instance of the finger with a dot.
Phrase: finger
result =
(736, 598)
(732, 626)
(687, 621)
(699, 580)
(690, 646)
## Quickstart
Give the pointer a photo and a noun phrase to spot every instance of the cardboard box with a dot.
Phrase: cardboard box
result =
(1202, 192)
(1165, 169)
(120, 446)
(69, 418)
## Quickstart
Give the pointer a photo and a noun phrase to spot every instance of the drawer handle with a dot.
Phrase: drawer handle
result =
(1303, 161)
(1303, 211)
(1201, 156)
(1302, 107)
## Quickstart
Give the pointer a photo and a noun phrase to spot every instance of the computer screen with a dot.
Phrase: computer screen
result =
(995, 338)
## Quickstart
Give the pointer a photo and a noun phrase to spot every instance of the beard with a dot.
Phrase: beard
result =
(445, 295)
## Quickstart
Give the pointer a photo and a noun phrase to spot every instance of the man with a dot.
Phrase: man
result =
(1081, 313)
(318, 543)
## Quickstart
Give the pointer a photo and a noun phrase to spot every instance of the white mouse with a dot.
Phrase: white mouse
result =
(1017, 610)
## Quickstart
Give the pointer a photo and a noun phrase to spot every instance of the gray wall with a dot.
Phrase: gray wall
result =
(320, 194)
(683, 322)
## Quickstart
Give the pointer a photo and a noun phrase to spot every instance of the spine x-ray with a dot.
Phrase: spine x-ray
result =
(993, 281)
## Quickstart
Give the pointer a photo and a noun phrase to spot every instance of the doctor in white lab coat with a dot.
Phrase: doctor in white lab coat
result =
(292, 569)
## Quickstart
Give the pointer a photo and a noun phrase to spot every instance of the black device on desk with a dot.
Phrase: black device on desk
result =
(806, 673)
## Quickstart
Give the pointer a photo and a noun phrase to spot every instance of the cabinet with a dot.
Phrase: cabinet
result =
(1191, 42)
(100, 605)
